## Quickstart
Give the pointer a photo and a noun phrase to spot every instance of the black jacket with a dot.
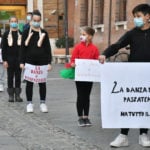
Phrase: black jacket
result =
(139, 42)
(33, 54)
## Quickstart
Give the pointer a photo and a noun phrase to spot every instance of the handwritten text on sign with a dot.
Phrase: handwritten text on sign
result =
(125, 95)
(87, 70)
(35, 74)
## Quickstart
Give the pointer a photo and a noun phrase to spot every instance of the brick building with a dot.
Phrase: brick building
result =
(110, 18)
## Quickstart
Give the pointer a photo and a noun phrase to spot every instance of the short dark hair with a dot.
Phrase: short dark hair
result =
(37, 12)
(29, 13)
(144, 8)
(13, 17)
(89, 30)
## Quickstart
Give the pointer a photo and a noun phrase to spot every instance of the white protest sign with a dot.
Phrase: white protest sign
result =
(36, 74)
(125, 95)
(87, 70)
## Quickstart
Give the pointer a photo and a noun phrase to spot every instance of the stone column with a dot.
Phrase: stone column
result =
(40, 8)
(29, 5)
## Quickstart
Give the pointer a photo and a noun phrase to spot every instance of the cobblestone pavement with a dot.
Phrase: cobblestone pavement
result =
(56, 130)
(28, 131)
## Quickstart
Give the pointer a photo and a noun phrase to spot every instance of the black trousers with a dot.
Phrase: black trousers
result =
(126, 130)
(83, 97)
(29, 91)
(14, 73)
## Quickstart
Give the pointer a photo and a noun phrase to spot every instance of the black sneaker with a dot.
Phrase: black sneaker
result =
(81, 122)
(87, 122)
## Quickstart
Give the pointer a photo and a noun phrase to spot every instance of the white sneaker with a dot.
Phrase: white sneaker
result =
(144, 140)
(43, 108)
(120, 141)
(30, 108)
(1, 87)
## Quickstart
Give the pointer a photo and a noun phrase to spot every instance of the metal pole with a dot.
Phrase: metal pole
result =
(109, 33)
(66, 28)
(92, 14)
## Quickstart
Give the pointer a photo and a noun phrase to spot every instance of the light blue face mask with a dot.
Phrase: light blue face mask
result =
(35, 24)
(138, 22)
(29, 18)
(13, 24)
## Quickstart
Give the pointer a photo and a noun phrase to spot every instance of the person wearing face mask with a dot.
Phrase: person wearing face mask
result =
(11, 42)
(27, 25)
(138, 39)
(84, 50)
(35, 50)
(28, 20)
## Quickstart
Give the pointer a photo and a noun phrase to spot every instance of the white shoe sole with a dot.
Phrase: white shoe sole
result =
(125, 145)
(88, 125)
(81, 125)
(143, 145)
(30, 111)
(45, 111)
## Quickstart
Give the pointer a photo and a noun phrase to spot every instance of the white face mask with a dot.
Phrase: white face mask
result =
(83, 38)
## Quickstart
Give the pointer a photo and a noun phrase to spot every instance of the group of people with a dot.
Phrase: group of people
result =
(33, 47)
(138, 39)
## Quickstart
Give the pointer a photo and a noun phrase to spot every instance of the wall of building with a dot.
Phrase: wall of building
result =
(101, 39)
(13, 2)
(71, 14)
(53, 19)
(53, 13)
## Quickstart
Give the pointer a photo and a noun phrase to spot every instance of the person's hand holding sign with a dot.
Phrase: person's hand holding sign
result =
(49, 67)
(22, 66)
(102, 58)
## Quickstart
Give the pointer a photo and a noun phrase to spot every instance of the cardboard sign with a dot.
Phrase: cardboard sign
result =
(125, 95)
(87, 70)
(36, 74)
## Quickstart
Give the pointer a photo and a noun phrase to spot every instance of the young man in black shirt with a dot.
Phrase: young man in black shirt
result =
(11, 42)
(139, 40)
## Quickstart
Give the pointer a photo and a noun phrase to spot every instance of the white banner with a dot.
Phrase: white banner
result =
(125, 95)
(87, 70)
(36, 74)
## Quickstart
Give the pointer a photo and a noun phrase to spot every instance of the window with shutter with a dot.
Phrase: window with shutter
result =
(121, 10)
(98, 9)
(84, 13)
(92, 12)
(120, 18)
